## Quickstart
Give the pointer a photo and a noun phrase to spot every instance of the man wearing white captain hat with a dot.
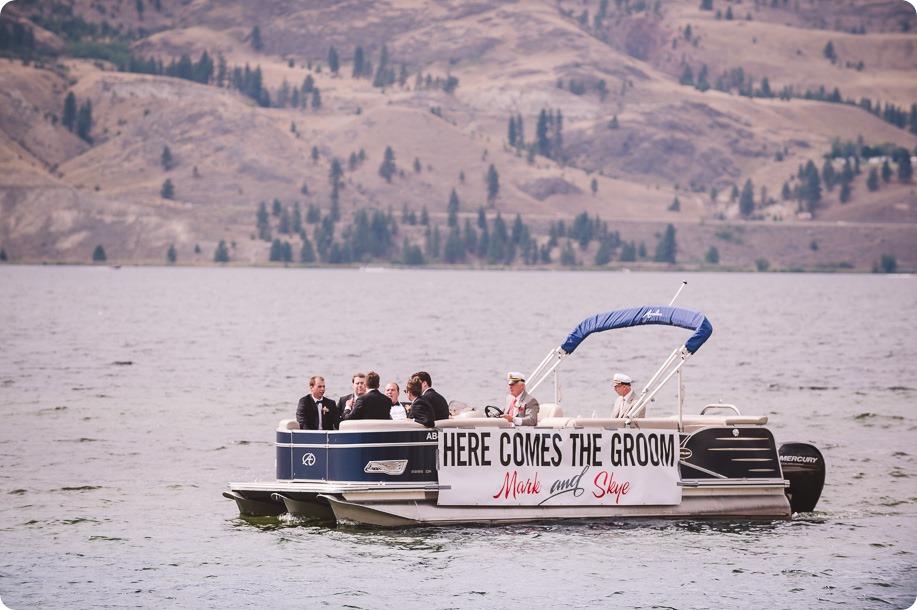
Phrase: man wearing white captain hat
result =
(626, 397)
(521, 409)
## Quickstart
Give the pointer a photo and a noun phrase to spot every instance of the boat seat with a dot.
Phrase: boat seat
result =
(473, 422)
(473, 413)
(288, 424)
(696, 422)
(379, 424)
(549, 410)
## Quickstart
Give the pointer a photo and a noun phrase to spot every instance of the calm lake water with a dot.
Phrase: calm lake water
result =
(130, 397)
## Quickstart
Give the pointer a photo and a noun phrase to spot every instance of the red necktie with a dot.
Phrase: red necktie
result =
(512, 409)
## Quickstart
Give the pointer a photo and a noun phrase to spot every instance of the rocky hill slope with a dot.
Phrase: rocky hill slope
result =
(640, 114)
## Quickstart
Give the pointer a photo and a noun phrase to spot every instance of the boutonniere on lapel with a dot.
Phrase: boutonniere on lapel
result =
(324, 409)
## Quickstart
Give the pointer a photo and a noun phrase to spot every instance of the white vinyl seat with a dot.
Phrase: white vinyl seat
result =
(549, 410)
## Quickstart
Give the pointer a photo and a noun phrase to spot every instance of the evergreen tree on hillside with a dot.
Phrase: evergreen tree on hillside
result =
(470, 237)
(384, 75)
(687, 76)
(872, 183)
(358, 63)
(886, 171)
(811, 186)
(98, 255)
(69, 118)
(307, 253)
(262, 222)
(452, 208)
(388, 169)
(168, 190)
(828, 175)
(255, 38)
(905, 171)
(454, 250)
(712, 256)
(493, 184)
(568, 255)
(746, 199)
(221, 254)
(171, 254)
(666, 249)
(334, 63)
(542, 141)
(166, 158)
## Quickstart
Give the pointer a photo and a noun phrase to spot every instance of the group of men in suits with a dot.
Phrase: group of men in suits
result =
(315, 412)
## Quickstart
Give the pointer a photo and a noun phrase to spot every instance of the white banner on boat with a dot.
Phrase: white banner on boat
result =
(534, 467)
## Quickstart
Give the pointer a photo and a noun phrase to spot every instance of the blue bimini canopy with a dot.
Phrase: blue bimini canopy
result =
(636, 316)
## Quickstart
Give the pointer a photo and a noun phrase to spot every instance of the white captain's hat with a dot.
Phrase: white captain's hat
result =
(622, 378)
(514, 377)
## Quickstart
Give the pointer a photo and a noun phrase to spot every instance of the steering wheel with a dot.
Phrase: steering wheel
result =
(492, 411)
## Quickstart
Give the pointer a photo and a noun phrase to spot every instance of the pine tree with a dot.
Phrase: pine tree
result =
(168, 190)
(542, 140)
(306, 254)
(255, 38)
(712, 256)
(666, 249)
(493, 184)
(747, 199)
(470, 237)
(98, 255)
(166, 158)
(358, 61)
(171, 254)
(452, 208)
(905, 171)
(454, 250)
(845, 192)
(568, 255)
(886, 171)
(334, 63)
(221, 254)
(388, 169)
(603, 255)
(872, 183)
(69, 118)
(687, 77)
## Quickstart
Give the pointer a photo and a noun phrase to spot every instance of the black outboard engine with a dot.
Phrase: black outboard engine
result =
(804, 467)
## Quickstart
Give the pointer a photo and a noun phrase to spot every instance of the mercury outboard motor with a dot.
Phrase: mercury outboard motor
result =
(804, 467)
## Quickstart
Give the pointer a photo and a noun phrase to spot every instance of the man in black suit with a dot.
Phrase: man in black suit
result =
(374, 404)
(315, 412)
(440, 406)
(345, 403)
(421, 410)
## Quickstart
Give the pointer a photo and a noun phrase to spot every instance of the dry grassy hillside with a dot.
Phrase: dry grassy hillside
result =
(633, 139)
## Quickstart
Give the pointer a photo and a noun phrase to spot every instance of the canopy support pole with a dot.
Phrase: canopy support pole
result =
(655, 383)
(548, 365)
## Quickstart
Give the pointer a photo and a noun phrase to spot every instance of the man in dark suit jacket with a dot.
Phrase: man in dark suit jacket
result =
(421, 409)
(440, 406)
(315, 412)
(374, 404)
(345, 403)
